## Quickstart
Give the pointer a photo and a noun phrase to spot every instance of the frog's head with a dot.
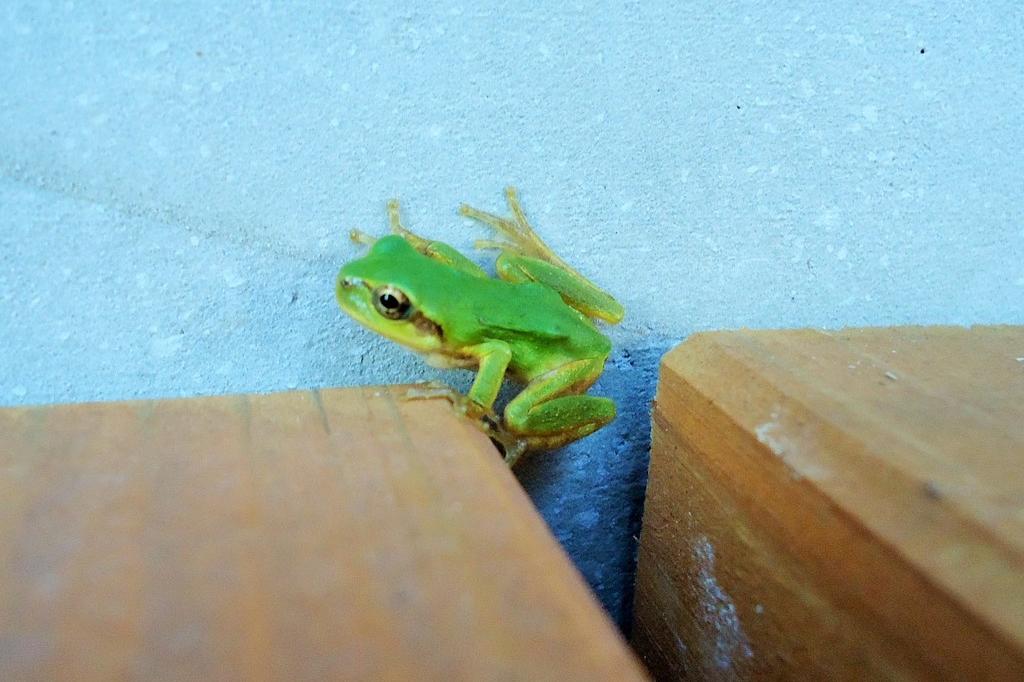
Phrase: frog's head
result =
(380, 292)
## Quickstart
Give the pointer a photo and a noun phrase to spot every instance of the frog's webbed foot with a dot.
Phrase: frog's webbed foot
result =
(511, 446)
(526, 258)
(519, 236)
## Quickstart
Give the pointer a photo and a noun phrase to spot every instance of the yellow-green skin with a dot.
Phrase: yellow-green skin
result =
(532, 323)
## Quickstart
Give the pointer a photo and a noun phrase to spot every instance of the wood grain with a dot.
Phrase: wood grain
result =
(844, 505)
(341, 534)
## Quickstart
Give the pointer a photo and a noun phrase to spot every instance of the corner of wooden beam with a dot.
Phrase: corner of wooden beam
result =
(337, 534)
(837, 505)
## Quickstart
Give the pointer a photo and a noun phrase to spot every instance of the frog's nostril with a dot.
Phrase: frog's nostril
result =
(349, 282)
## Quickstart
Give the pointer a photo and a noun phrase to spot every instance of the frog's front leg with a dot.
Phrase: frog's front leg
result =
(439, 251)
(493, 358)
(553, 410)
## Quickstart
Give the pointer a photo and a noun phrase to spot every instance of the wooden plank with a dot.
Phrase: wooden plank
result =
(844, 505)
(341, 534)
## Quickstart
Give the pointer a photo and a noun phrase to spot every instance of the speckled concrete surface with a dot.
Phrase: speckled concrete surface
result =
(176, 183)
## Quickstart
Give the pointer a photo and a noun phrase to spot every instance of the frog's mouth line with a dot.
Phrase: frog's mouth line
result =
(426, 325)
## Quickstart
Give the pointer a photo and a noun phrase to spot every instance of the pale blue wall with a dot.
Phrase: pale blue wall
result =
(175, 184)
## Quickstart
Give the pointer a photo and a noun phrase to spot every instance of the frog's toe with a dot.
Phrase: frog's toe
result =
(488, 421)
(431, 389)
(360, 237)
(512, 450)
(395, 221)
(501, 225)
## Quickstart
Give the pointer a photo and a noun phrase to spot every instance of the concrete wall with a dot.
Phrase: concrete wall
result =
(176, 184)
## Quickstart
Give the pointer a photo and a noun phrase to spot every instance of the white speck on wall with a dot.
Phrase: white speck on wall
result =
(587, 518)
(204, 151)
(157, 48)
(86, 99)
(870, 113)
(828, 217)
(19, 391)
(726, 638)
(158, 147)
(233, 279)
(167, 346)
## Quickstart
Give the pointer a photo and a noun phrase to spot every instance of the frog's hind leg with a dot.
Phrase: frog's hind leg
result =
(521, 237)
(553, 410)
(526, 258)
(578, 292)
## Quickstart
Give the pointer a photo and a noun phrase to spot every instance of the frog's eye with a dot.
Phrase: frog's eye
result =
(390, 302)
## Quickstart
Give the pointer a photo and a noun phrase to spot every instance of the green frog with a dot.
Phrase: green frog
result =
(534, 322)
